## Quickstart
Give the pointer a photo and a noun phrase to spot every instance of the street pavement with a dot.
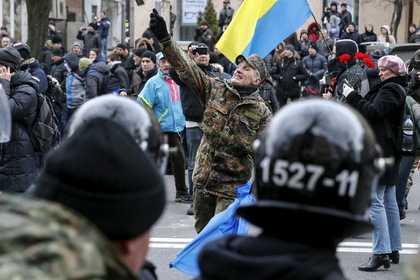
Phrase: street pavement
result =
(175, 230)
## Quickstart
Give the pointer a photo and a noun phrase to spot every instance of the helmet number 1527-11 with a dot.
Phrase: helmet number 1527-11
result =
(296, 175)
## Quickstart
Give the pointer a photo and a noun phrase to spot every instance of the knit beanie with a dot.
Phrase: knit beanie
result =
(84, 63)
(290, 48)
(94, 25)
(121, 45)
(23, 49)
(57, 52)
(102, 173)
(10, 57)
(72, 61)
(56, 40)
(150, 55)
(76, 43)
(313, 46)
(139, 51)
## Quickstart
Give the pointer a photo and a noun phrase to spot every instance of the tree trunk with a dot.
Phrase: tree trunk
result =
(396, 17)
(38, 17)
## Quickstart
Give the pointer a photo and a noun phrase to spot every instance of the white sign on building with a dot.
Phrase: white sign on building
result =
(190, 10)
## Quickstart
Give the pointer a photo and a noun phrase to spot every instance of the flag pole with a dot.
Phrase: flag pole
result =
(323, 38)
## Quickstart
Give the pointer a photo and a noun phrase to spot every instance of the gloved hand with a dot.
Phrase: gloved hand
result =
(347, 89)
(158, 25)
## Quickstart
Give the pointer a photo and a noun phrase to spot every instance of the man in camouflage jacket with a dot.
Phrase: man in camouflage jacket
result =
(234, 114)
(44, 240)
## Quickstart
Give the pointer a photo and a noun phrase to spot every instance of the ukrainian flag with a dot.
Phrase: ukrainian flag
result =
(260, 25)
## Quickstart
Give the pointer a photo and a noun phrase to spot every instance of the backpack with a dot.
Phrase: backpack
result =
(56, 98)
(44, 133)
(410, 108)
(106, 82)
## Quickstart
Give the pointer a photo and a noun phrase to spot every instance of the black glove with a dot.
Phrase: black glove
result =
(158, 25)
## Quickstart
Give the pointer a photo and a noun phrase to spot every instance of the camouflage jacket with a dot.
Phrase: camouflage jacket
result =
(43, 240)
(231, 123)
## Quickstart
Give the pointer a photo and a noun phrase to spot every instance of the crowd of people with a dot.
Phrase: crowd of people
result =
(222, 122)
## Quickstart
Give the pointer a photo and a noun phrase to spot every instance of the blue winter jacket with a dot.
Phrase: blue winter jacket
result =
(162, 95)
(75, 90)
(103, 27)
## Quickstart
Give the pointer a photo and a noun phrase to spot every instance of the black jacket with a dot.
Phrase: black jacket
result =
(90, 40)
(191, 105)
(18, 161)
(382, 108)
(33, 66)
(95, 81)
(289, 72)
(248, 258)
(268, 93)
(138, 81)
(119, 78)
(60, 72)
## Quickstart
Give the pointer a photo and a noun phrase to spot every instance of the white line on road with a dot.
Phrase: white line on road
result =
(343, 247)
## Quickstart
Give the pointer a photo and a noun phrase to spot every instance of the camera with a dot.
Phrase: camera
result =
(328, 9)
(96, 18)
(200, 50)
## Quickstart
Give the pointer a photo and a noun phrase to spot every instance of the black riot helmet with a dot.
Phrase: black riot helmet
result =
(316, 166)
(137, 118)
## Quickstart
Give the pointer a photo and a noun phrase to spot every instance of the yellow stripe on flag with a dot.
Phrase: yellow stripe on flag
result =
(241, 30)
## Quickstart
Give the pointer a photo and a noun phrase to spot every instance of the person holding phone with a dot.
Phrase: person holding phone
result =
(203, 34)
(382, 107)
(19, 162)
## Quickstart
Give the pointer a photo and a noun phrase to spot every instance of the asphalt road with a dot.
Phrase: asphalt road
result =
(175, 229)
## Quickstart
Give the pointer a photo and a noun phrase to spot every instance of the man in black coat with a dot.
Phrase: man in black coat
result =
(18, 161)
(91, 39)
(289, 73)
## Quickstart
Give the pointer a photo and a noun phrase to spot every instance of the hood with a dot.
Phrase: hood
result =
(24, 78)
(388, 29)
(43, 239)
(264, 258)
(31, 63)
(100, 66)
(417, 56)
(312, 25)
(72, 60)
(347, 46)
(335, 19)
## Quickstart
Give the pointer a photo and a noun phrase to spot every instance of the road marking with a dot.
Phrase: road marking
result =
(343, 247)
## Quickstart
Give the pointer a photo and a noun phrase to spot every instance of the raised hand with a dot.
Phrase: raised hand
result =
(158, 25)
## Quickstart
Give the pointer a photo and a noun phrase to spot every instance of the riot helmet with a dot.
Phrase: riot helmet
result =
(137, 118)
(316, 164)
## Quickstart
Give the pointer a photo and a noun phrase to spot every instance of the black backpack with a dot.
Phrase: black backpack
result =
(410, 108)
(44, 133)
(107, 79)
(56, 98)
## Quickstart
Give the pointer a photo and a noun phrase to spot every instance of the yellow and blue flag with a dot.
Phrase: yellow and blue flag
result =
(260, 25)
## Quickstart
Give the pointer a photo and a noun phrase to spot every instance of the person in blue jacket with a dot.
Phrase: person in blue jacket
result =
(103, 28)
(162, 95)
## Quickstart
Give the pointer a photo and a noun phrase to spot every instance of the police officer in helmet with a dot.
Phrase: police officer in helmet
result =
(316, 165)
